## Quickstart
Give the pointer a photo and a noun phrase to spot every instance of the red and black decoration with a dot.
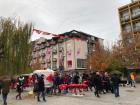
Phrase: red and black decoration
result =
(54, 35)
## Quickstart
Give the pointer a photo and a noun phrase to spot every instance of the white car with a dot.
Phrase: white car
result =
(46, 74)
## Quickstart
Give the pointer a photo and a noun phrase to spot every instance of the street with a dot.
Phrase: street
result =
(128, 96)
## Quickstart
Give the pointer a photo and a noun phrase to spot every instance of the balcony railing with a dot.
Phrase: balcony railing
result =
(54, 51)
(43, 62)
(52, 42)
(54, 67)
(41, 47)
(60, 40)
(48, 44)
(61, 49)
(43, 54)
(34, 50)
(54, 59)
(34, 57)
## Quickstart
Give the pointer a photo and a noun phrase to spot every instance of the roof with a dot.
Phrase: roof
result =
(75, 31)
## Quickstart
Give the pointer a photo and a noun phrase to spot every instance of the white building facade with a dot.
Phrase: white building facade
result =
(66, 53)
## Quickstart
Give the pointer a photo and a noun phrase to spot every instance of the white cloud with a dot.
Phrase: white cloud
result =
(97, 17)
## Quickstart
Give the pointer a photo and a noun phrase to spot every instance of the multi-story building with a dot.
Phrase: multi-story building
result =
(129, 16)
(130, 19)
(67, 52)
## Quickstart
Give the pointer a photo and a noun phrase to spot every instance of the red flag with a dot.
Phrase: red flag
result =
(46, 33)
(37, 31)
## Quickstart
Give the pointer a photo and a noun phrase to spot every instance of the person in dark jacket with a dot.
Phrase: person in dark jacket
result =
(115, 83)
(76, 78)
(19, 90)
(0, 86)
(97, 82)
(41, 88)
(5, 89)
(20, 83)
(56, 82)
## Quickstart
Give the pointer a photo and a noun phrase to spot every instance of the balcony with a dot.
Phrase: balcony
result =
(54, 67)
(91, 41)
(52, 42)
(43, 62)
(37, 48)
(54, 60)
(47, 44)
(34, 50)
(54, 51)
(41, 47)
(34, 57)
(60, 40)
(43, 54)
(61, 49)
(43, 41)
(38, 43)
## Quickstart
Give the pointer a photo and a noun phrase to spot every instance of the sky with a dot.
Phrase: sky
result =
(96, 17)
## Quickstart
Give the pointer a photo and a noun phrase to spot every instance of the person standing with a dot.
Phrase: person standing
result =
(0, 86)
(41, 88)
(97, 82)
(5, 89)
(20, 84)
(76, 78)
(19, 90)
(133, 76)
(56, 83)
(115, 83)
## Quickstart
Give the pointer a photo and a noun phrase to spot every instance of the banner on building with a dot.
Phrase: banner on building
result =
(48, 53)
(78, 52)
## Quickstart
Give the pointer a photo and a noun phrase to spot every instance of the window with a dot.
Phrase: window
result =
(54, 50)
(81, 63)
(137, 26)
(127, 28)
(93, 38)
(69, 63)
(125, 15)
(136, 11)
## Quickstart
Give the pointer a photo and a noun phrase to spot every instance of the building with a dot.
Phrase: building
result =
(129, 16)
(67, 52)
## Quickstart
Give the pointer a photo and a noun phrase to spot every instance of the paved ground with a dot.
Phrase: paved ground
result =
(128, 96)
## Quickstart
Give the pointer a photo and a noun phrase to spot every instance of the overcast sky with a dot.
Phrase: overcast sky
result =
(96, 17)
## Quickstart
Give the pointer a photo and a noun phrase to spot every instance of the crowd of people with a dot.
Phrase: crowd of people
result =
(96, 82)
(100, 82)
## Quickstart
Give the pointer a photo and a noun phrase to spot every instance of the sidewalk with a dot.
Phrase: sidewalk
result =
(128, 96)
